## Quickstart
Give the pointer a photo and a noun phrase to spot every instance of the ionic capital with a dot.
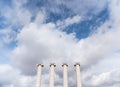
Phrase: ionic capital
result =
(64, 64)
(52, 64)
(77, 64)
(40, 65)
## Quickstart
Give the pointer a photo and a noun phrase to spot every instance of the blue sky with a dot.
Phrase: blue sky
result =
(45, 31)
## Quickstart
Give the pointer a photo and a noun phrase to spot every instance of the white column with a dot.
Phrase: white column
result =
(39, 71)
(79, 84)
(52, 74)
(65, 75)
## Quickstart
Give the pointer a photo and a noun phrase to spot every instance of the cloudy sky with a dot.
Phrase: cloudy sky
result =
(70, 31)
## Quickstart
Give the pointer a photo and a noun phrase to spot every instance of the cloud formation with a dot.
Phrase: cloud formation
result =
(86, 6)
(11, 77)
(41, 42)
(69, 21)
(106, 79)
(44, 42)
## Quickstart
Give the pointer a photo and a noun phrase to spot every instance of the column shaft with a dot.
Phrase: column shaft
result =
(65, 75)
(78, 77)
(52, 75)
(39, 71)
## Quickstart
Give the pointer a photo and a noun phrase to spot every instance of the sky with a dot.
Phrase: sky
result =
(60, 31)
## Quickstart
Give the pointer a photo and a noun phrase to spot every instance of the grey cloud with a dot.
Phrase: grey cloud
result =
(11, 77)
(106, 79)
(44, 43)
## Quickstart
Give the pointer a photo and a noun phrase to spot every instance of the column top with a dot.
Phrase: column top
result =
(77, 64)
(64, 64)
(52, 64)
(40, 65)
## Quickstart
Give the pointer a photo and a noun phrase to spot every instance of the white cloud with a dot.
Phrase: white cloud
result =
(40, 18)
(69, 21)
(44, 43)
(7, 36)
(105, 79)
(79, 7)
(11, 77)
(16, 14)
(84, 7)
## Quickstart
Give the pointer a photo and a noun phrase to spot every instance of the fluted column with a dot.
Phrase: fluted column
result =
(65, 75)
(79, 84)
(52, 74)
(39, 71)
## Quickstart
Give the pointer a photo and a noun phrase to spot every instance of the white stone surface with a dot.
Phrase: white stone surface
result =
(52, 74)
(65, 75)
(78, 77)
(39, 71)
